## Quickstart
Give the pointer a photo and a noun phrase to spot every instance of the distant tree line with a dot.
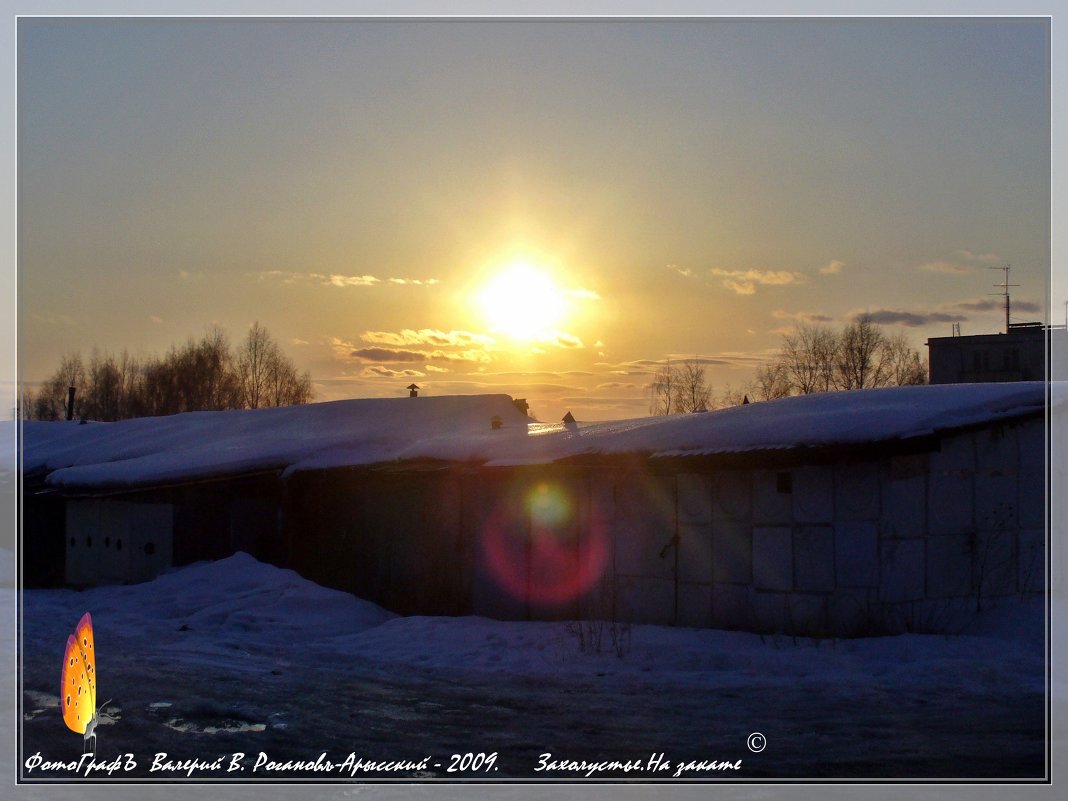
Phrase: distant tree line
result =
(812, 358)
(201, 375)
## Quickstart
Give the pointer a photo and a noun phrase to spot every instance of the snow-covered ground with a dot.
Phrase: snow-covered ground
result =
(237, 656)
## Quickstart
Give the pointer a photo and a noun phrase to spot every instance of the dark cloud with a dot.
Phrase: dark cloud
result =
(644, 367)
(703, 360)
(387, 355)
(341, 381)
(909, 319)
(546, 389)
(992, 304)
(526, 376)
(804, 317)
(516, 389)
(377, 371)
(980, 305)
(602, 399)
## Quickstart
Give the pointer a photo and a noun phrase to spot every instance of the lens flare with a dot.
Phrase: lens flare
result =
(538, 552)
(549, 506)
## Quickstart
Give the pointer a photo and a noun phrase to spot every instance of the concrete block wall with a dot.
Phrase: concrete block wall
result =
(890, 544)
(644, 556)
(856, 555)
(773, 559)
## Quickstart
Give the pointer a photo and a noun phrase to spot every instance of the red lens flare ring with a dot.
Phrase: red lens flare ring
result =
(539, 552)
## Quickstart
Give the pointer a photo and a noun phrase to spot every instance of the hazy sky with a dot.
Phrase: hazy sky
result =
(673, 188)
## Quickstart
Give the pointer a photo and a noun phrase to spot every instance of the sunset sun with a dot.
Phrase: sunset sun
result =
(522, 302)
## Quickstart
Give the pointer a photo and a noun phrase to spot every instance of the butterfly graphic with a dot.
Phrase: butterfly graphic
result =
(77, 692)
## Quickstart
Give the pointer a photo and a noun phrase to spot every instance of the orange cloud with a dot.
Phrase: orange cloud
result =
(426, 336)
(744, 282)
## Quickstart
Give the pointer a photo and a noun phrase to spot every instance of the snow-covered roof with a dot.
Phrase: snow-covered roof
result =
(371, 431)
(155, 450)
(822, 419)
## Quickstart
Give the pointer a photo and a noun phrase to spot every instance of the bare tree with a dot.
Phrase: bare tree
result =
(862, 360)
(664, 390)
(694, 395)
(71, 370)
(679, 389)
(284, 386)
(50, 402)
(205, 373)
(104, 388)
(25, 404)
(902, 364)
(816, 359)
(730, 397)
(43, 405)
(199, 376)
(255, 361)
(159, 390)
(808, 357)
(131, 374)
(771, 381)
(266, 377)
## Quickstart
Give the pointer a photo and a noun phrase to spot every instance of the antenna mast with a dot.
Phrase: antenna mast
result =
(1004, 285)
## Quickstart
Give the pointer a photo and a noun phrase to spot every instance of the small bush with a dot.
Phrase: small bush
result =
(600, 636)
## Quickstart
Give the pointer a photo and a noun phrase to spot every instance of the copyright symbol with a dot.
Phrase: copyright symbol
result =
(756, 742)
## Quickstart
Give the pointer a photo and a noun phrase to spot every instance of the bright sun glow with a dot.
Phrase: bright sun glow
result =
(522, 302)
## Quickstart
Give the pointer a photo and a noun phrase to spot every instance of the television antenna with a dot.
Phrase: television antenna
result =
(1004, 286)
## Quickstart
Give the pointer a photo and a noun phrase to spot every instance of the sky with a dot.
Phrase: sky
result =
(550, 209)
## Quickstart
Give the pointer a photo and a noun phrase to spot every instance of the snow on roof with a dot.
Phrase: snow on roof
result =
(457, 428)
(156, 450)
(821, 419)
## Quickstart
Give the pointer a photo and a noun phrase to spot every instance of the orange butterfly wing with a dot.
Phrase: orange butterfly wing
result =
(77, 693)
